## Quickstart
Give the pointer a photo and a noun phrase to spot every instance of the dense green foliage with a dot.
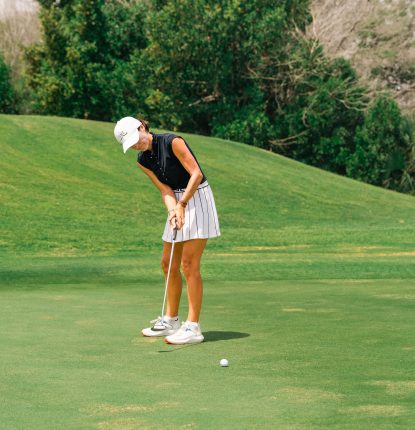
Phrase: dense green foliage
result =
(201, 61)
(384, 154)
(317, 103)
(238, 70)
(85, 67)
(7, 94)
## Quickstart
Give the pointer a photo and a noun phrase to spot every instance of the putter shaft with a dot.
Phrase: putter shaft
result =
(168, 273)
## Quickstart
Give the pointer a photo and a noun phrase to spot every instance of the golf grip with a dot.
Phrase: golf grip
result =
(174, 233)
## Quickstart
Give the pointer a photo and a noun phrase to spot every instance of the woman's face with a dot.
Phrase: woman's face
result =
(145, 140)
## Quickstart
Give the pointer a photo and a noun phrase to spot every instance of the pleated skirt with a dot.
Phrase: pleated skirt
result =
(201, 218)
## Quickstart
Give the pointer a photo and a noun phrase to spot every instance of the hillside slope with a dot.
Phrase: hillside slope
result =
(68, 190)
(377, 36)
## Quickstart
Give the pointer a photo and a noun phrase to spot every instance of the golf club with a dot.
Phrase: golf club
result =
(168, 273)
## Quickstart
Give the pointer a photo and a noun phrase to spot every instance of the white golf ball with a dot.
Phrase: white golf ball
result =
(224, 362)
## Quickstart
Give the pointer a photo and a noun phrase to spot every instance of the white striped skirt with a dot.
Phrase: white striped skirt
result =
(200, 218)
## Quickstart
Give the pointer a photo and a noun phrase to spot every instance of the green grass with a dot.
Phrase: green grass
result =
(309, 293)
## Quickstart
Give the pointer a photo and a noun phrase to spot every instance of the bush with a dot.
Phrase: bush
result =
(384, 148)
(248, 126)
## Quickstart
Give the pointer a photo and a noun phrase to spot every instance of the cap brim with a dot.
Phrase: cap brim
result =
(132, 140)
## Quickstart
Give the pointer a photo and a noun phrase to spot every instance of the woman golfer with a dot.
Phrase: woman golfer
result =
(172, 167)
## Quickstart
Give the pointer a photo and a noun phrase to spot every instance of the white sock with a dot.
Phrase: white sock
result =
(171, 319)
(192, 324)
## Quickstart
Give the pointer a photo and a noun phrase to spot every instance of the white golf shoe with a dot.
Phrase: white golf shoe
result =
(162, 327)
(188, 333)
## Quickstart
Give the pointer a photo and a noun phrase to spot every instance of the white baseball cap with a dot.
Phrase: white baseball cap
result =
(126, 132)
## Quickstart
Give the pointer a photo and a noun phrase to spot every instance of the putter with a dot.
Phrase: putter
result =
(168, 273)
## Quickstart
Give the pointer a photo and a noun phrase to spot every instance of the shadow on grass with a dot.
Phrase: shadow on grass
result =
(178, 347)
(212, 336)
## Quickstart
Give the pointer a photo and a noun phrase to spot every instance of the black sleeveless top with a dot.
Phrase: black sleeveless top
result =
(165, 165)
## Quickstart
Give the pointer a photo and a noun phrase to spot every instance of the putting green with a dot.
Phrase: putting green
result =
(309, 293)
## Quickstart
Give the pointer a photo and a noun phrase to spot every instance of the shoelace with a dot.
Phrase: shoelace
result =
(185, 327)
(159, 321)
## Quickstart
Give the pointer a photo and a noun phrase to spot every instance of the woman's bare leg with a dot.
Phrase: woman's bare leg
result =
(174, 289)
(192, 251)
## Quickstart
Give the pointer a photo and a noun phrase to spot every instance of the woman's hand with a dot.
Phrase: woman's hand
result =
(172, 218)
(177, 220)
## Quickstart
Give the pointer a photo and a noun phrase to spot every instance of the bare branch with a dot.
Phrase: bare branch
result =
(207, 99)
(291, 140)
(18, 28)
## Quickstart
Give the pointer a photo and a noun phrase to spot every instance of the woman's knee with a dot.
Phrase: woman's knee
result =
(175, 266)
(190, 266)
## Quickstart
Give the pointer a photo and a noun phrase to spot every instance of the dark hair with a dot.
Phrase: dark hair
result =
(145, 124)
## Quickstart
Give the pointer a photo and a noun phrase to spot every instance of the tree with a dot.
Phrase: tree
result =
(201, 58)
(384, 151)
(314, 103)
(18, 28)
(84, 68)
(235, 69)
(7, 96)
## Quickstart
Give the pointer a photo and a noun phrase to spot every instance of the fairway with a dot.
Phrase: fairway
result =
(309, 293)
